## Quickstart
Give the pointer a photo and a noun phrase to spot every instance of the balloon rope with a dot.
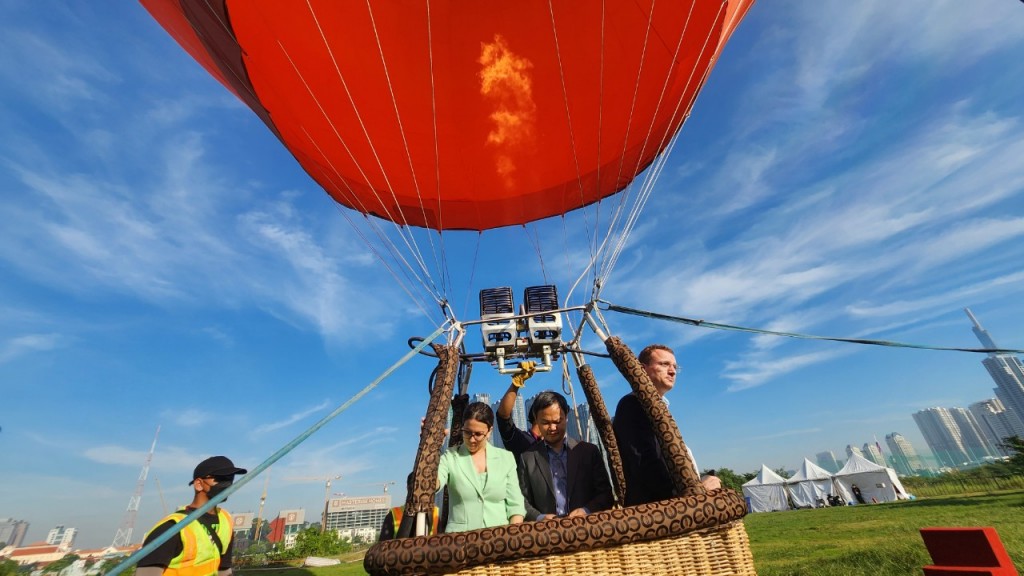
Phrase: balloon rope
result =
(178, 526)
(671, 136)
(393, 251)
(409, 240)
(405, 144)
(568, 121)
(705, 324)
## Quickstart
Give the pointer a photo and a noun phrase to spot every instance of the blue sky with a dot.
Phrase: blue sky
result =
(849, 170)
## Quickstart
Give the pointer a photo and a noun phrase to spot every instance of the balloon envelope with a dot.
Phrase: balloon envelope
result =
(458, 114)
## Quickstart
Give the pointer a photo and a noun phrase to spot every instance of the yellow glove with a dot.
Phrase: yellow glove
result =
(526, 370)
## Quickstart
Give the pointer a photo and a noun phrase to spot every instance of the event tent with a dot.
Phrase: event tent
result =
(875, 482)
(766, 492)
(811, 486)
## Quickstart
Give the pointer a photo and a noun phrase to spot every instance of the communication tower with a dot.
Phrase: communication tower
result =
(123, 537)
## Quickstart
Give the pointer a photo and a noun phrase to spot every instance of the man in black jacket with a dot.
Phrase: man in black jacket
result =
(559, 476)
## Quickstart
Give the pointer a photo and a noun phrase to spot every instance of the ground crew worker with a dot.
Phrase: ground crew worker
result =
(204, 547)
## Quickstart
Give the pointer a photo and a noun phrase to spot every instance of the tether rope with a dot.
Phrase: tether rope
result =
(717, 326)
(178, 526)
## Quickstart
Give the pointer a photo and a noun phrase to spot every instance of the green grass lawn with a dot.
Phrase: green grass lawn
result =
(872, 540)
(875, 540)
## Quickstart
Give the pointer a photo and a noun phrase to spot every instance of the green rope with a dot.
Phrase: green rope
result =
(145, 550)
(716, 326)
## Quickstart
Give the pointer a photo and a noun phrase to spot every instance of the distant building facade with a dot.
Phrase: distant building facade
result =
(827, 460)
(874, 454)
(994, 422)
(242, 529)
(851, 450)
(62, 537)
(942, 434)
(358, 516)
(975, 443)
(12, 532)
(904, 458)
(286, 527)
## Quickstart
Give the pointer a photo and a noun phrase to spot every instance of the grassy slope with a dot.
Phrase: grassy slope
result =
(876, 540)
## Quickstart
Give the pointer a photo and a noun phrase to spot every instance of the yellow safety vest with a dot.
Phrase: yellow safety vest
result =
(199, 555)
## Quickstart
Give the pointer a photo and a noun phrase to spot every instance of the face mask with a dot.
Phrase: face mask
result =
(217, 489)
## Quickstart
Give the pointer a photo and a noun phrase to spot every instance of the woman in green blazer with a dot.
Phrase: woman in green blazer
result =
(483, 485)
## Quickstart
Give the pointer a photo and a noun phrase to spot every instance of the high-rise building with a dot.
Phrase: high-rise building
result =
(827, 460)
(977, 446)
(851, 450)
(1008, 373)
(904, 457)
(993, 421)
(12, 532)
(62, 537)
(586, 430)
(481, 397)
(943, 437)
(873, 453)
(519, 413)
(358, 517)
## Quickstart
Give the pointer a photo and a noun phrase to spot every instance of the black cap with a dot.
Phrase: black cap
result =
(216, 466)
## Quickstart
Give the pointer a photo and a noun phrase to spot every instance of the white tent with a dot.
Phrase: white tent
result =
(876, 483)
(766, 492)
(811, 486)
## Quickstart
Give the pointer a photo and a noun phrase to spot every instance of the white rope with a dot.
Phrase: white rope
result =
(405, 142)
(657, 166)
(407, 239)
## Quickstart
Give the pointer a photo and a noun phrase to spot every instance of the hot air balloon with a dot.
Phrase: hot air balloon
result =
(444, 116)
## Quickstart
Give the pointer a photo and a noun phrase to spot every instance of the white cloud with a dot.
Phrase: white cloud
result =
(189, 418)
(28, 344)
(298, 416)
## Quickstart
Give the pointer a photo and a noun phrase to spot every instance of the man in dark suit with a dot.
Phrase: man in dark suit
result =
(559, 476)
(647, 475)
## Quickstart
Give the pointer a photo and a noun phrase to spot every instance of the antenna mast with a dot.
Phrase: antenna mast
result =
(123, 537)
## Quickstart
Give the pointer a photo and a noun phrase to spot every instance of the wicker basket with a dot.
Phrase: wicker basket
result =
(722, 551)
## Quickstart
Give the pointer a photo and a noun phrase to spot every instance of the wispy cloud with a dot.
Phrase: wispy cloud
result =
(298, 416)
(28, 344)
(188, 418)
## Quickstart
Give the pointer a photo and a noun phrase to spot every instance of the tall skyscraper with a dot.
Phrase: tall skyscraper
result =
(1008, 373)
(872, 453)
(851, 450)
(12, 532)
(993, 421)
(519, 413)
(586, 430)
(827, 460)
(904, 457)
(481, 397)
(943, 436)
(977, 446)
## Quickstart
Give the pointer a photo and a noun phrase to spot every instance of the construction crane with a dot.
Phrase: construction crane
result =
(263, 500)
(123, 536)
(327, 492)
(384, 484)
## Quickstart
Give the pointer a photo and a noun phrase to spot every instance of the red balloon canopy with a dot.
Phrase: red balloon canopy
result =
(462, 114)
